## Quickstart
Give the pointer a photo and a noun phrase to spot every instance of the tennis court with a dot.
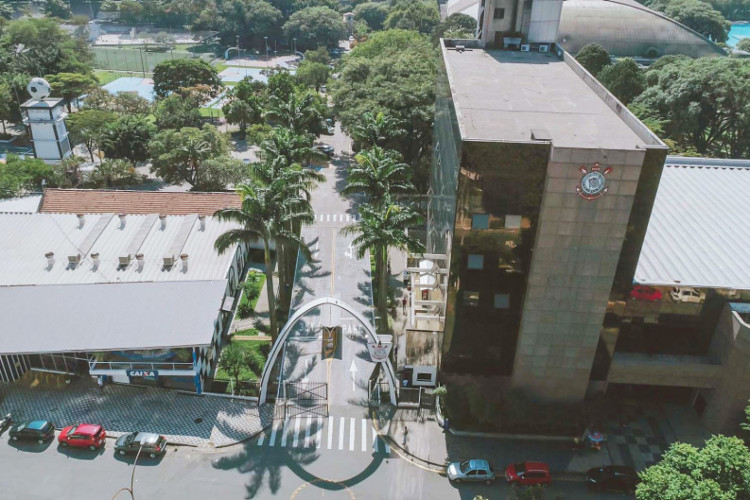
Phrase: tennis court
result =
(143, 86)
(125, 58)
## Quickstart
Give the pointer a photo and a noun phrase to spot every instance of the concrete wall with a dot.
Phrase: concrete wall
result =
(576, 253)
(663, 370)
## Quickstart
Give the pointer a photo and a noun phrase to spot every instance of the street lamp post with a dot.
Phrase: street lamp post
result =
(266, 39)
(132, 477)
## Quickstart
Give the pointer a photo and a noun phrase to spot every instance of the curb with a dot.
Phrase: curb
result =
(440, 467)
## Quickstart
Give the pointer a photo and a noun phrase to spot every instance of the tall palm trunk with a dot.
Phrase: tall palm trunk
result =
(381, 269)
(269, 289)
(281, 257)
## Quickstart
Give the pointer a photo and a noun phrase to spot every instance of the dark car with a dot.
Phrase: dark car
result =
(153, 444)
(33, 430)
(613, 477)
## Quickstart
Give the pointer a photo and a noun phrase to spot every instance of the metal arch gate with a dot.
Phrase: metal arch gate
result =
(303, 399)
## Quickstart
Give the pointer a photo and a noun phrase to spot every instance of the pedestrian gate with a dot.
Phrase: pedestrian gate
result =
(305, 399)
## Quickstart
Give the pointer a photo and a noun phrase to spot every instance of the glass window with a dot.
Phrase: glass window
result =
(471, 299)
(480, 221)
(424, 377)
(464, 466)
(502, 301)
(499, 13)
(476, 261)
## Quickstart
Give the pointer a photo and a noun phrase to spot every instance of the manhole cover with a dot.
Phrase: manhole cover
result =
(198, 420)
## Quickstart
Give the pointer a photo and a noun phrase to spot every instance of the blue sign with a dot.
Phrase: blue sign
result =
(146, 374)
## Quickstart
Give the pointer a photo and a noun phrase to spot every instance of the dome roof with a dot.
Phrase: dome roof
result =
(628, 29)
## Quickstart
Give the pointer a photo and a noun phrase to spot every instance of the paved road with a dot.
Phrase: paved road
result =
(249, 471)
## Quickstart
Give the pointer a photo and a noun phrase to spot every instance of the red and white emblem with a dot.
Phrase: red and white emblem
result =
(593, 183)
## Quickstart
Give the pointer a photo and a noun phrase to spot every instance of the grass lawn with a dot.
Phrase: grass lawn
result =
(208, 113)
(255, 348)
(251, 293)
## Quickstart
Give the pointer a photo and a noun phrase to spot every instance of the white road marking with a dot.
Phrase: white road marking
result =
(330, 432)
(374, 440)
(284, 433)
(261, 439)
(307, 431)
(341, 434)
(353, 371)
(295, 442)
(347, 217)
(328, 217)
(352, 431)
(364, 434)
(319, 433)
(349, 251)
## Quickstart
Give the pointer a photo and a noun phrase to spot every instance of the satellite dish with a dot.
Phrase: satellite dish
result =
(39, 88)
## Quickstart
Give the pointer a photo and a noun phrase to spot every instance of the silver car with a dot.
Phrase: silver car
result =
(471, 470)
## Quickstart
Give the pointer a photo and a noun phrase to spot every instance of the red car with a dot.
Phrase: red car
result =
(647, 293)
(83, 436)
(528, 473)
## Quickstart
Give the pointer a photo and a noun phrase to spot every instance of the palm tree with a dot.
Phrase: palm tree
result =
(382, 227)
(265, 213)
(294, 147)
(378, 174)
(299, 113)
(375, 129)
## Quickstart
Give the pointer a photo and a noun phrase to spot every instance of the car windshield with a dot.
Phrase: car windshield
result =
(46, 427)
(464, 466)
(72, 430)
(520, 468)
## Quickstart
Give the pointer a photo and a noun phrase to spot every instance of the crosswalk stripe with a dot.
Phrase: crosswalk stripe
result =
(330, 432)
(328, 217)
(262, 438)
(272, 442)
(341, 434)
(364, 434)
(295, 442)
(319, 433)
(352, 430)
(307, 431)
(347, 217)
(374, 440)
(284, 433)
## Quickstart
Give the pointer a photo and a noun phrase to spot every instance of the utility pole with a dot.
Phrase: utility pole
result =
(266, 39)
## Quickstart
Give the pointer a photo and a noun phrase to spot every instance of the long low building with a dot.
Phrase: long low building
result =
(143, 298)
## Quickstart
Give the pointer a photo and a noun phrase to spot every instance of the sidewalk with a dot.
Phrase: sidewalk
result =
(203, 421)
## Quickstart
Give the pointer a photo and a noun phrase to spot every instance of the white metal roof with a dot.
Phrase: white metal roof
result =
(699, 230)
(24, 204)
(101, 317)
(26, 238)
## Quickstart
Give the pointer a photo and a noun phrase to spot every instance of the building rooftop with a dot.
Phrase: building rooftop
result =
(25, 239)
(97, 201)
(505, 95)
(699, 230)
(22, 204)
(105, 317)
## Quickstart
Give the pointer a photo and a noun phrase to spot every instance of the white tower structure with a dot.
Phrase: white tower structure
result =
(518, 21)
(45, 117)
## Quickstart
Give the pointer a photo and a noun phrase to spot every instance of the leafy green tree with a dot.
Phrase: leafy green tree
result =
(281, 84)
(130, 103)
(127, 137)
(8, 113)
(319, 55)
(47, 48)
(733, 10)
(415, 15)
(251, 20)
(220, 172)
(455, 26)
(744, 44)
(6, 12)
(175, 74)
(375, 129)
(234, 360)
(131, 12)
(113, 173)
(393, 71)
(57, 8)
(373, 13)
(594, 58)
(71, 85)
(177, 111)
(378, 174)
(720, 470)
(87, 126)
(182, 155)
(265, 210)
(380, 228)
(301, 113)
(624, 79)
(18, 176)
(312, 74)
(242, 113)
(315, 26)
(701, 17)
(306, 4)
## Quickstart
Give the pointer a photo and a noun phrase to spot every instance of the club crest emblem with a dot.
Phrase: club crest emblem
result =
(593, 183)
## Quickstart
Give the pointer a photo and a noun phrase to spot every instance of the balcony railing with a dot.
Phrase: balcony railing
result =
(139, 365)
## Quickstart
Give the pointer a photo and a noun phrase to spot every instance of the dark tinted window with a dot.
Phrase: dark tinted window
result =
(520, 468)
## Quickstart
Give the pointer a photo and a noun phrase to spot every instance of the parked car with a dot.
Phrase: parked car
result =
(613, 477)
(88, 436)
(471, 470)
(5, 422)
(645, 293)
(325, 149)
(33, 430)
(687, 294)
(528, 473)
(329, 126)
(153, 444)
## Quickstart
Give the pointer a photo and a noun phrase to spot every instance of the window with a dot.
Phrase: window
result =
(476, 261)
(424, 377)
(499, 14)
(471, 299)
(480, 221)
(502, 301)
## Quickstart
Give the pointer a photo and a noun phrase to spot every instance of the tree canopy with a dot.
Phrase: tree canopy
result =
(173, 75)
(455, 26)
(87, 126)
(21, 175)
(312, 74)
(701, 17)
(178, 111)
(127, 137)
(315, 26)
(593, 57)
(71, 85)
(415, 15)
(373, 13)
(624, 79)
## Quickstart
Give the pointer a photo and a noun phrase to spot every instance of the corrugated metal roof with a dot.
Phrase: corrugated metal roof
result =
(26, 238)
(98, 201)
(699, 230)
(23, 204)
(102, 317)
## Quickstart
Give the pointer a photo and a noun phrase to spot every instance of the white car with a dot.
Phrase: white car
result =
(687, 294)
(471, 470)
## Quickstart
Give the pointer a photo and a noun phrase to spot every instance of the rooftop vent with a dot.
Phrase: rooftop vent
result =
(140, 261)
(202, 219)
(168, 262)
(74, 260)
(125, 261)
(123, 217)
(163, 221)
(460, 48)
(525, 47)
(81, 220)
(184, 259)
(544, 48)
(95, 258)
(50, 259)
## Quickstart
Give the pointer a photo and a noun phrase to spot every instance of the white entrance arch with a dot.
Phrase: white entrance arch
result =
(293, 321)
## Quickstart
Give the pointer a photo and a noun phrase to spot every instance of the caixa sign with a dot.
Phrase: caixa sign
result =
(147, 374)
